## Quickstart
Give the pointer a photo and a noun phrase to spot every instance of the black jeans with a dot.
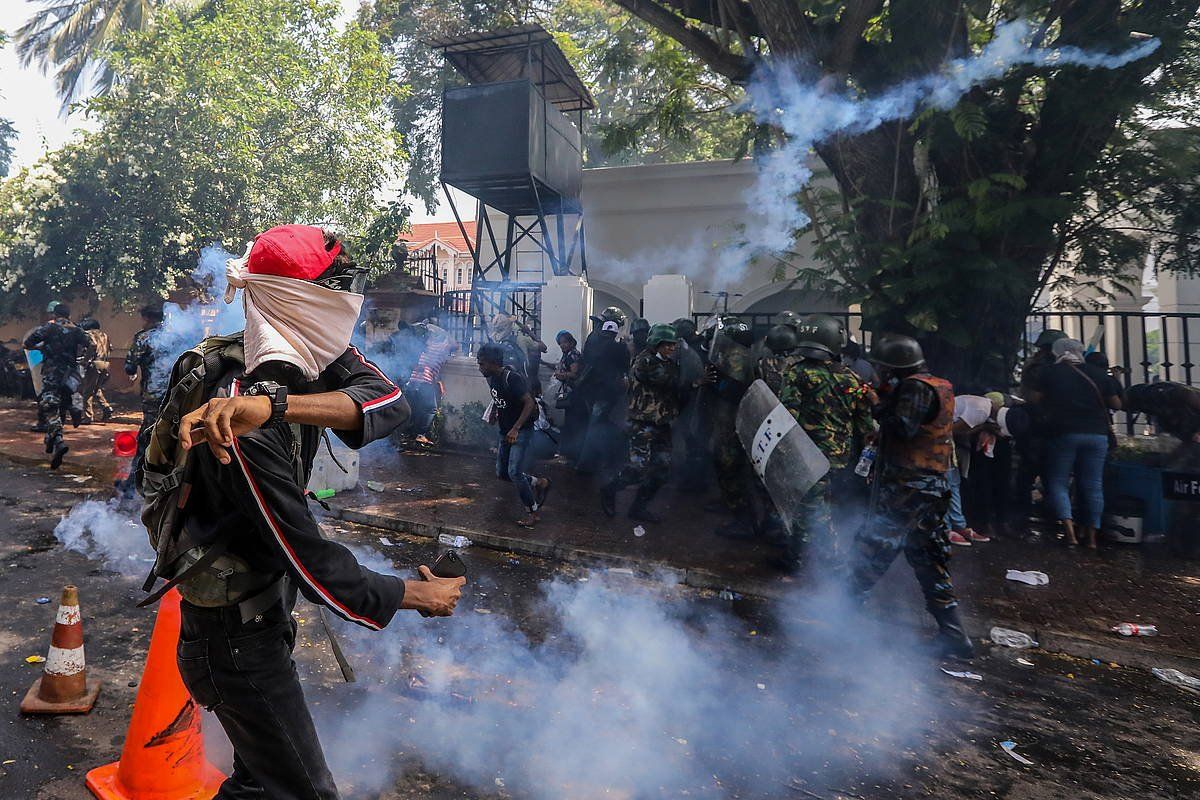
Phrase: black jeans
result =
(245, 675)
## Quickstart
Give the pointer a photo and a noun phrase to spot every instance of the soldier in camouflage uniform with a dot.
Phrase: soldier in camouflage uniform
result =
(61, 343)
(654, 401)
(95, 372)
(732, 371)
(139, 365)
(912, 491)
(781, 343)
(834, 408)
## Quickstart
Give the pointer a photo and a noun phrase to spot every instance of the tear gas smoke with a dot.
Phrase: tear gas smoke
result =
(791, 98)
(636, 693)
(108, 531)
(184, 327)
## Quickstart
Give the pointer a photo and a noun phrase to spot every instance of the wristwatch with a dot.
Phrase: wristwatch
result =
(279, 402)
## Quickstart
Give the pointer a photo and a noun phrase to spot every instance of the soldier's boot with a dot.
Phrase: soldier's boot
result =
(76, 417)
(608, 499)
(58, 451)
(40, 425)
(640, 510)
(952, 640)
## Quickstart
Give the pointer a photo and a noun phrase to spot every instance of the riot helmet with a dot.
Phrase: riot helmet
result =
(661, 334)
(821, 336)
(737, 330)
(896, 351)
(781, 339)
(613, 314)
(1048, 337)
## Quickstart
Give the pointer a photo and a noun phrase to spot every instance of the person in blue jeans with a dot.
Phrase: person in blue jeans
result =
(514, 410)
(1076, 398)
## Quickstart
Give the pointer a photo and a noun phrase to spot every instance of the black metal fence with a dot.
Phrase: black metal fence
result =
(466, 313)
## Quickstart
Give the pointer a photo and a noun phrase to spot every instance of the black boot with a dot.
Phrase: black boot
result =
(608, 500)
(952, 640)
(60, 450)
(640, 510)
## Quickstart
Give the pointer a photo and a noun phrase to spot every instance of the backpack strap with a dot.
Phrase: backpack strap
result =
(204, 562)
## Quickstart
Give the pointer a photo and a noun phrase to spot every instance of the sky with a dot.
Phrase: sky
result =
(27, 97)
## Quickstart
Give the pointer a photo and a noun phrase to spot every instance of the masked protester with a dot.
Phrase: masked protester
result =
(515, 412)
(834, 408)
(61, 343)
(653, 405)
(915, 453)
(268, 393)
(94, 362)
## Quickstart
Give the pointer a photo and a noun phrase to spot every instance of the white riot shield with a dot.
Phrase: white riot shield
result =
(782, 454)
(732, 360)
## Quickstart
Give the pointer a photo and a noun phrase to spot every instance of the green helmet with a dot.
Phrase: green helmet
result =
(782, 339)
(52, 306)
(1048, 337)
(639, 325)
(613, 314)
(821, 336)
(737, 330)
(661, 334)
(685, 327)
(897, 352)
(789, 318)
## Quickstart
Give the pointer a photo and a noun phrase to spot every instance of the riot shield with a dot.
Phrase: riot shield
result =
(732, 360)
(783, 456)
(34, 359)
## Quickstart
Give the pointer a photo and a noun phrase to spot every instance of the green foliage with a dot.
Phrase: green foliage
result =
(8, 131)
(224, 120)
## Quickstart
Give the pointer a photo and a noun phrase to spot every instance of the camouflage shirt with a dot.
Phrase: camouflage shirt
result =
(771, 368)
(141, 357)
(61, 344)
(654, 394)
(832, 406)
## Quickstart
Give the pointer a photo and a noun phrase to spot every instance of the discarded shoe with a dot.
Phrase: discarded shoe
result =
(957, 538)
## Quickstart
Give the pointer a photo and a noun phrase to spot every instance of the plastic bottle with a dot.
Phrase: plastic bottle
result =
(1130, 629)
(457, 542)
(866, 461)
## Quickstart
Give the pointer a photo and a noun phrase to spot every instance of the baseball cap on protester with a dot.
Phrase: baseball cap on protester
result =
(295, 312)
(610, 326)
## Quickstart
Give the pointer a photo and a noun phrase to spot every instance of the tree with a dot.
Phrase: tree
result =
(74, 36)
(948, 225)
(8, 131)
(224, 120)
(655, 100)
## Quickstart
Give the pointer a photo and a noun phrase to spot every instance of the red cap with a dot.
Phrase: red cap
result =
(291, 251)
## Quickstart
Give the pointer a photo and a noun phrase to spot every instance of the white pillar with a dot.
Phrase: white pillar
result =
(666, 298)
(566, 303)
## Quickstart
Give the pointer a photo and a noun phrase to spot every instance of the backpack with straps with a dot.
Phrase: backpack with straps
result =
(165, 476)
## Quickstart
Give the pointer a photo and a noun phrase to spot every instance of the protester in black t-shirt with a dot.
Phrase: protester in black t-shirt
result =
(515, 411)
(1076, 398)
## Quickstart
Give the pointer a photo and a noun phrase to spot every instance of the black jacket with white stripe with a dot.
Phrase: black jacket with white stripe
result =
(259, 498)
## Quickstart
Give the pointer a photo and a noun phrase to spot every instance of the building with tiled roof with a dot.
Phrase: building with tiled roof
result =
(452, 252)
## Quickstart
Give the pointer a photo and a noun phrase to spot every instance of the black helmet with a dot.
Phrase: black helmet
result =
(897, 351)
(737, 330)
(782, 339)
(1048, 337)
(639, 325)
(821, 336)
(660, 334)
(789, 318)
(685, 327)
(613, 314)
(89, 324)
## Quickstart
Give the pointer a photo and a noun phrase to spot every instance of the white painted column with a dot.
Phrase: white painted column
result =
(666, 298)
(566, 303)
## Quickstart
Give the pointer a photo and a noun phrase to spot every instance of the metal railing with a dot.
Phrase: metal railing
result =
(466, 313)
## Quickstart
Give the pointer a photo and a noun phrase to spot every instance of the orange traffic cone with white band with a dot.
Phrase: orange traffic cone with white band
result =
(163, 757)
(64, 687)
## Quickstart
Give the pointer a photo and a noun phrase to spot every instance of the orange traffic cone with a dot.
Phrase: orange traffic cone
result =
(64, 687)
(163, 757)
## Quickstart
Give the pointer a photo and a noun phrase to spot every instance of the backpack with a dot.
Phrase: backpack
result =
(166, 469)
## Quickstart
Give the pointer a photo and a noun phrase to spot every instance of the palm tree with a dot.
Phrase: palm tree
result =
(73, 35)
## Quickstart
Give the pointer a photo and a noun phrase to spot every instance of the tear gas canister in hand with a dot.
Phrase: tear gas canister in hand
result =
(785, 459)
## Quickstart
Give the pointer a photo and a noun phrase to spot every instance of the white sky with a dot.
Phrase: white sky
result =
(28, 98)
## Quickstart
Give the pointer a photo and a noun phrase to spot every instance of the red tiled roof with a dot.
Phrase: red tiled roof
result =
(424, 233)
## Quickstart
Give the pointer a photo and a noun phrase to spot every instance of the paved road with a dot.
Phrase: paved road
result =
(556, 683)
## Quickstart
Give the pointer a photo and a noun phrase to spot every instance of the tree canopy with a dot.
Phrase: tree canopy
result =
(224, 119)
(949, 224)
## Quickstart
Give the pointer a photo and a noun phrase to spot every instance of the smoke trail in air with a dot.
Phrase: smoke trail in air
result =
(790, 97)
(108, 531)
(185, 326)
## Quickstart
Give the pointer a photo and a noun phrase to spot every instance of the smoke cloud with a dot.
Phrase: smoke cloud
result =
(635, 691)
(110, 532)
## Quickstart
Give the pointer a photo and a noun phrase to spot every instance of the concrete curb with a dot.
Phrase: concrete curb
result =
(1072, 644)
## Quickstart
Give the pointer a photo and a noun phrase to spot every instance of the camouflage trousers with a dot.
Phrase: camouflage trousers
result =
(649, 464)
(93, 394)
(911, 520)
(733, 470)
(57, 399)
(812, 525)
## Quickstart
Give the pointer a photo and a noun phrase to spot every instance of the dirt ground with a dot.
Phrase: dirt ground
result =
(1092, 730)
